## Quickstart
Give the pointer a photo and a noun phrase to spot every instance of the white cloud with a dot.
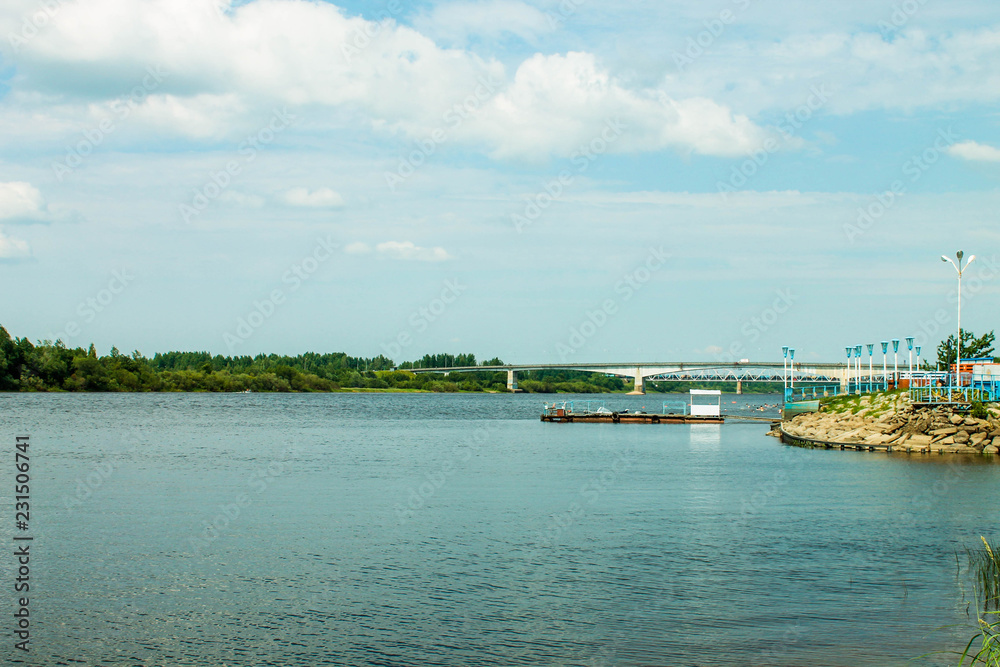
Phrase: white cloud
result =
(408, 251)
(220, 71)
(971, 150)
(357, 248)
(556, 104)
(321, 198)
(22, 202)
(11, 248)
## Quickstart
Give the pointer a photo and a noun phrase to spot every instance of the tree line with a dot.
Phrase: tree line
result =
(48, 366)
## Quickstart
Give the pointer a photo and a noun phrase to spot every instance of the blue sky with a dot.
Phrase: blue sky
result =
(543, 181)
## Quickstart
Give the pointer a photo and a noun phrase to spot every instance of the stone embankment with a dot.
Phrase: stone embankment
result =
(890, 422)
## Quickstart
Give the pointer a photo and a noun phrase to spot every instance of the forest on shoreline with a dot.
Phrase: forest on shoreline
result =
(52, 367)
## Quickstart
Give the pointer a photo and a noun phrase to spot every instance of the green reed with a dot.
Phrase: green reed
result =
(984, 567)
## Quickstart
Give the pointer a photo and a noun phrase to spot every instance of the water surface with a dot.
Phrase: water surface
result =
(412, 529)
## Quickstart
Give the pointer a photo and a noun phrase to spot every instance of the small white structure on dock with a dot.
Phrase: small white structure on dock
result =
(706, 408)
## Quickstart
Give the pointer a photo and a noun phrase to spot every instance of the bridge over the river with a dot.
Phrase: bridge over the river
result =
(697, 371)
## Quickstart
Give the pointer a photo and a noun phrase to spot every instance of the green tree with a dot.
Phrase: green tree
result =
(11, 362)
(972, 347)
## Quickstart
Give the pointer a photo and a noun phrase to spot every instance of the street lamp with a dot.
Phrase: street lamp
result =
(849, 349)
(958, 341)
(857, 360)
(885, 348)
(917, 348)
(895, 363)
(784, 367)
(791, 368)
(909, 346)
(871, 348)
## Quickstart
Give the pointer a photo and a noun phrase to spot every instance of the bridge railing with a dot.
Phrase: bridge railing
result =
(812, 392)
(941, 387)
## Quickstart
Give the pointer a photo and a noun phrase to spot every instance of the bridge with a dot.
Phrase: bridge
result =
(708, 371)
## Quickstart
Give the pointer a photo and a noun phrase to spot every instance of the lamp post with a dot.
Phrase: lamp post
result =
(784, 368)
(857, 361)
(871, 349)
(895, 363)
(958, 341)
(791, 369)
(848, 370)
(917, 348)
(885, 348)
(909, 346)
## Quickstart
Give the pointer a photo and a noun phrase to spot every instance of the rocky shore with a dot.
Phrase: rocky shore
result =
(889, 420)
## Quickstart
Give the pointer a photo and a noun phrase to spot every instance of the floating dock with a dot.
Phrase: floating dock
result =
(595, 412)
(630, 418)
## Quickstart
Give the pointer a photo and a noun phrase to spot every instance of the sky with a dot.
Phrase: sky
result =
(545, 181)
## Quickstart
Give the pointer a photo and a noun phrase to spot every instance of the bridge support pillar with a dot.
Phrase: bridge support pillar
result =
(512, 381)
(640, 387)
(739, 386)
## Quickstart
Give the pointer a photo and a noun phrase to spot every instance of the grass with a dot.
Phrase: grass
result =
(984, 567)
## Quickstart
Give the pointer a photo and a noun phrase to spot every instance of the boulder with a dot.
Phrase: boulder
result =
(957, 419)
(991, 449)
(950, 430)
(919, 439)
(961, 437)
(976, 438)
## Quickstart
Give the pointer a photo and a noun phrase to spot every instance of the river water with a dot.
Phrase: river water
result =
(418, 529)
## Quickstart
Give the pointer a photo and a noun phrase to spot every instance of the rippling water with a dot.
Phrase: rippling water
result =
(396, 529)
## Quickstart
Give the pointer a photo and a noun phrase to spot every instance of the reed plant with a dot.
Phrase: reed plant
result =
(984, 568)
